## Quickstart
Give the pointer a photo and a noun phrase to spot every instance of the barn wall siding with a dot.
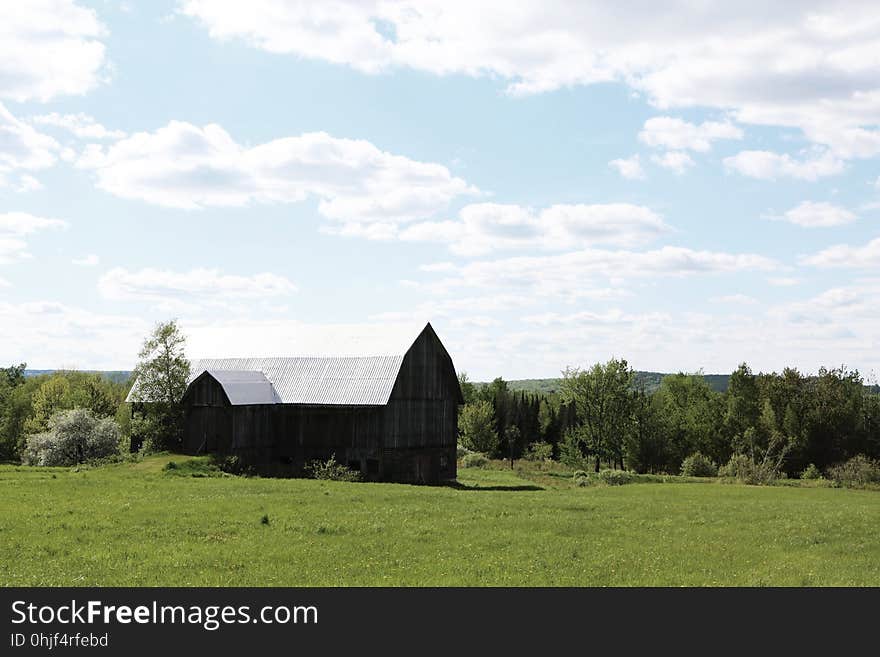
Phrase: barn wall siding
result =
(410, 439)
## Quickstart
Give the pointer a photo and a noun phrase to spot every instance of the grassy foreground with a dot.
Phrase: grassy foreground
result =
(134, 524)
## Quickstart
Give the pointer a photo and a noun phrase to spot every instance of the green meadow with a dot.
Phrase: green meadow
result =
(143, 524)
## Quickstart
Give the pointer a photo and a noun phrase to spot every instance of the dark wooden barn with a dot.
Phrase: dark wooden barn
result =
(392, 417)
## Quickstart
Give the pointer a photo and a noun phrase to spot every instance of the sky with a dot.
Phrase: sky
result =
(549, 183)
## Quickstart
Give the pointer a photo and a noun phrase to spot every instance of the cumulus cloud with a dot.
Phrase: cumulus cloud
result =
(185, 166)
(783, 281)
(591, 273)
(846, 256)
(807, 65)
(676, 161)
(49, 48)
(630, 167)
(22, 148)
(49, 334)
(485, 227)
(87, 261)
(22, 223)
(184, 289)
(815, 215)
(767, 165)
(80, 125)
(734, 299)
(14, 227)
(678, 135)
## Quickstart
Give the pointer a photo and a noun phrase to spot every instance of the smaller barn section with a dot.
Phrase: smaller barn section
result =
(392, 417)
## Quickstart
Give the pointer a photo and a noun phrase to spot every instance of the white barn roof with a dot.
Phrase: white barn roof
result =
(343, 380)
(361, 380)
(244, 387)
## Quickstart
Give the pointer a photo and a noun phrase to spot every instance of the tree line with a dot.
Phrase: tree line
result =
(600, 416)
(66, 417)
(786, 421)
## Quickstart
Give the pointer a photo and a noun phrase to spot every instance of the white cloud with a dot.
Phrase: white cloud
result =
(186, 289)
(677, 161)
(850, 311)
(14, 226)
(630, 167)
(184, 166)
(12, 249)
(614, 316)
(843, 255)
(808, 65)
(735, 299)
(766, 165)
(80, 125)
(27, 183)
(23, 149)
(88, 261)
(22, 223)
(816, 215)
(485, 227)
(677, 135)
(783, 281)
(49, 334)
(49, 48)
(591, 273)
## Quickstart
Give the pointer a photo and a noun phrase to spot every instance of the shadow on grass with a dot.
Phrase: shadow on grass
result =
(457, 485)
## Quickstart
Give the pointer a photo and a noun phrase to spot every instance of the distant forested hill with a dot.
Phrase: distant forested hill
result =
(650, 381)
(116, 376)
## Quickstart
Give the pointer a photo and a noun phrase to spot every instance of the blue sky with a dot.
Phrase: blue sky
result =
(549, 184)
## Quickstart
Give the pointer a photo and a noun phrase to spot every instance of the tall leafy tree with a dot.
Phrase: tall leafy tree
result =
(12, 380)
(468, 388)
(161, 374)
(743, 401)
(477, 426)
(690, 413)
(647, 444)
(602, 398)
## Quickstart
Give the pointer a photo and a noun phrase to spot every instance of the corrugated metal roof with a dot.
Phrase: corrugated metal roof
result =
(323, 381)
(244, 387)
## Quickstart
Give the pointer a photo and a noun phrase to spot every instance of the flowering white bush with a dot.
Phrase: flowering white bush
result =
(74, 436)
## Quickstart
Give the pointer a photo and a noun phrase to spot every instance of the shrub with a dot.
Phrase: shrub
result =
(539, 451)
(477, 422)
(331, 470)
(474, 460)
(811, 472)
(744, 469)
(697, 465)
(615, 477)
(233, 465)
(148, 447)
(609, 477)
(858, 471)
(73, 437)
(570, 449)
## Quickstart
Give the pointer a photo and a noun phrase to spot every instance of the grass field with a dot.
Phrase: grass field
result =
(137, 524)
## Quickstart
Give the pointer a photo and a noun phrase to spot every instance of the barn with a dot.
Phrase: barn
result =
(392, 417)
